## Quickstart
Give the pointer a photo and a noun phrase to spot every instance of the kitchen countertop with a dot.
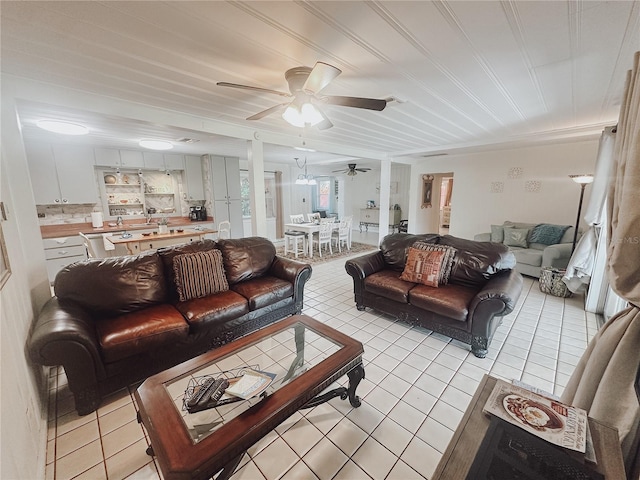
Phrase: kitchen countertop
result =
(70, 229)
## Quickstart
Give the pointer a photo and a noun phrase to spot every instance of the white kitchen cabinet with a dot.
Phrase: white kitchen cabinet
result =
(62, 251)
(173, 161)
(193, 177)
(225, 172)
(159, 161)
(112, 157)
(62, 174)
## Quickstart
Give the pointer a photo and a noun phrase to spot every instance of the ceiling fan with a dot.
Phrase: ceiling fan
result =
(352, 170)
(305, 87)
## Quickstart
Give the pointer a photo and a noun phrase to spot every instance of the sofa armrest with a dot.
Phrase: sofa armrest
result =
(497, 298)
(292, 271)
(504, 287)
(482, 237)
(557, 255)
(360, 267)
(64, 334)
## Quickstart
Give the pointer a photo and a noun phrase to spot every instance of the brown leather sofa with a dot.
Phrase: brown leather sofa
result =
(483, 287)
(118, 320)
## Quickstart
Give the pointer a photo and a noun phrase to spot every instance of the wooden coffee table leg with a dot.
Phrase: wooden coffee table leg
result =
(355, 376)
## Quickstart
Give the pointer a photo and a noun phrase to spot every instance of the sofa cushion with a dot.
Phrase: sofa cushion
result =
(167, 255)
(447, 259)
(199, 274)
(202, 313)
(133, 282)
(516, 237)
(395, 247)
(497, 233)
(423, 267)
(129, 334)
(387, 283)
(547, 234)
(246, 258)
(476, 262)
(451, 301)
(264, 291)
(528, 256)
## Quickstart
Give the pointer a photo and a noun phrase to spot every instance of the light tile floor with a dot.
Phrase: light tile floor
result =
(417, 386)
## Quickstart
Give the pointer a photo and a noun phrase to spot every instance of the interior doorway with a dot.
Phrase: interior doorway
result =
(446, 190)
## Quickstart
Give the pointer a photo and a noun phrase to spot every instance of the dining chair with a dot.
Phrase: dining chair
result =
(91, 253)
(298, 218)
(324, 237)
(224, 229)
(313, 217)
(96, 246)
(341, 235)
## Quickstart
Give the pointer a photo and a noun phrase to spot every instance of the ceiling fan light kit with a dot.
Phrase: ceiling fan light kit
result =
(305, 85)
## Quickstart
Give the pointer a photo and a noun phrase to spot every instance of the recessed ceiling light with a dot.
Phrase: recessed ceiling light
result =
(156, 144)
(66, 128)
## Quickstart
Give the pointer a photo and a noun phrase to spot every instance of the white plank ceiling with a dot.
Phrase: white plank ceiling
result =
(466, 73)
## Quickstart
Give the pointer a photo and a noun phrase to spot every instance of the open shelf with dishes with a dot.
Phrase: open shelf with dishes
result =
(134, 193)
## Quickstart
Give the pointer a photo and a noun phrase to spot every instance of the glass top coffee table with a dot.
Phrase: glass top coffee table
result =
(305, 355)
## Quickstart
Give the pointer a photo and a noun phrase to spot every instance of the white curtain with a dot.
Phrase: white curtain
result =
(578, 272)
(603, 381)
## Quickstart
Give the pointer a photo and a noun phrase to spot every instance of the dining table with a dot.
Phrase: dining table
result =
(309, 228)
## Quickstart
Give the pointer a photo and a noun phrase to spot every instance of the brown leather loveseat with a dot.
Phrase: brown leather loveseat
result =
(118, 320)
(483, 286)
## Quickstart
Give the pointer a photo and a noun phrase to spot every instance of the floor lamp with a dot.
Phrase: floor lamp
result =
(583, 181)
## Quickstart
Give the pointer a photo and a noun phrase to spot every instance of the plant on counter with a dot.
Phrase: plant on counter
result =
(163, 221)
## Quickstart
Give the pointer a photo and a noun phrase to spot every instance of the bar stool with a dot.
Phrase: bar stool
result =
(292, 238)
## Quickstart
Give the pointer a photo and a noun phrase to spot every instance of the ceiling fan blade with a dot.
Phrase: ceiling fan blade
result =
(325, 124)
(268, 111)
(356, 102)
(340, 171)
(321, 76)
(363, 169)
(255, 89)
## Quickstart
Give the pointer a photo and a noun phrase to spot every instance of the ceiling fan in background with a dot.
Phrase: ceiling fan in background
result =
(305, 86)
(352, 170)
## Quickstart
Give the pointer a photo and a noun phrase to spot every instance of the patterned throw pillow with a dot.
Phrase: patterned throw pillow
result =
(547, 234)
(199, 274)
(516, 237)
(447, 260)
(423, 267)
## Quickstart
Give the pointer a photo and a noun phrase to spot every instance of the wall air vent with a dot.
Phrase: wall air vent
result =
(429, 155)
(187, 140)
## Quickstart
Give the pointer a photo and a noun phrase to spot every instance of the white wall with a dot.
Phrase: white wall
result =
(473, 205)
(23, 388)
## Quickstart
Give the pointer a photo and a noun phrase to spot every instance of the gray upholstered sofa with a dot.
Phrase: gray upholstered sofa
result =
(533, 244)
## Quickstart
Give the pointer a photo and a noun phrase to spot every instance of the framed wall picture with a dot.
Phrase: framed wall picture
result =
(427, 190)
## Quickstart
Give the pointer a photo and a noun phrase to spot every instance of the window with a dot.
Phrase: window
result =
(323, 195)
(269, 194)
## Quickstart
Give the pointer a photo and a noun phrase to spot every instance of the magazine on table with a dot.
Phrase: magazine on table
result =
(544, 417)
(250, 384)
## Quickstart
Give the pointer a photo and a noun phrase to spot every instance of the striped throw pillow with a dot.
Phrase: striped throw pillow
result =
(447, 259)
(199, 274)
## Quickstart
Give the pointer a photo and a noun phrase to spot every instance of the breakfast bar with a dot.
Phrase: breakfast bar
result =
(130, 244)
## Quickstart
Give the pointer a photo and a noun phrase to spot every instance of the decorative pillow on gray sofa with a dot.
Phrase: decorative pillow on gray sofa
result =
(516, 237)
(497, 233)
(547, 234)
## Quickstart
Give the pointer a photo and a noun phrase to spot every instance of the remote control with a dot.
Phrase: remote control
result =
(197, 396)
(221, 385)
(210, 391)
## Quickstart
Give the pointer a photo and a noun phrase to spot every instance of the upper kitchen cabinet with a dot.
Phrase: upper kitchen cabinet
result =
(193, 176)
(159, 161)
(62, 174)
(112, 157)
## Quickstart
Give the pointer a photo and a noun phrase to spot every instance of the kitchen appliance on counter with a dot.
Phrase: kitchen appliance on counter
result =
(198, 213)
